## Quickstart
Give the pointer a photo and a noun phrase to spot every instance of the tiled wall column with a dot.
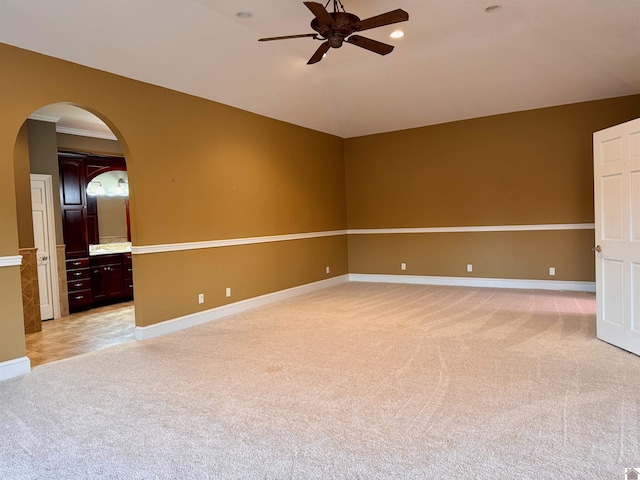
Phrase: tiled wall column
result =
(30, 291)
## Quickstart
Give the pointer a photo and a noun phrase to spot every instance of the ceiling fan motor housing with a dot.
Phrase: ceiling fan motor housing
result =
(346, 24)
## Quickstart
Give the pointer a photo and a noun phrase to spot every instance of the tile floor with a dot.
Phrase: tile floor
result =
(81, 332)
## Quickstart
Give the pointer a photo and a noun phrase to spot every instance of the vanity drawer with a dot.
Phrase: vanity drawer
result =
(76, 285)
(80, 298)
(111, 259)
(77, 263)
(81, 274)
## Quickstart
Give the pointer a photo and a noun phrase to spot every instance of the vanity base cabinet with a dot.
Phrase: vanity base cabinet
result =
(99, 280)
(107, 278)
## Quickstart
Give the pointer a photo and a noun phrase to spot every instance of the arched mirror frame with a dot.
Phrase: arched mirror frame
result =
(95, 165)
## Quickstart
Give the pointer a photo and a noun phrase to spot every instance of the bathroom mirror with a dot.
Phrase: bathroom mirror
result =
(110, 191)
(112, 219)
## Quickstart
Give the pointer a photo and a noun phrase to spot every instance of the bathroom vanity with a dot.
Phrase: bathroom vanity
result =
(96, 231)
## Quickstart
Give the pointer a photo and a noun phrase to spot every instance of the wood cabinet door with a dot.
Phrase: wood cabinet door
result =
(114, 279)
(74, 223)
(72, 182)
(98, 284)
(107, 278)
(93, 234)
(72, 203)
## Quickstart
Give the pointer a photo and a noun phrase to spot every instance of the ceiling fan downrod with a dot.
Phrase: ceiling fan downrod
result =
(337, 5)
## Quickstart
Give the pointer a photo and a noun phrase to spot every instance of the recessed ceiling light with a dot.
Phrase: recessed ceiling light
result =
(493, 8)
(397, 34)
(244, 14)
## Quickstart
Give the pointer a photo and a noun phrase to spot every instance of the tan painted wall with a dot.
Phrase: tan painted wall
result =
(517, 255)
(11, 320)
(525, 168)
(249, 271)
(198, 170)
(22, 180)
(43, 158)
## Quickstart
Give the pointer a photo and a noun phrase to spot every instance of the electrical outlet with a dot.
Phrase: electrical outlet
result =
(552, 271)
(403, 266)
(469, 267)
(201, 298)
(228, 292)
(327, 269)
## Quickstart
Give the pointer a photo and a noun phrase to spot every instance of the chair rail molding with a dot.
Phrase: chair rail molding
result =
(11, 261)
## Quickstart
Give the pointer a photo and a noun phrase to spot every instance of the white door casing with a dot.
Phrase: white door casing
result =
(616, 152)
(45, 242)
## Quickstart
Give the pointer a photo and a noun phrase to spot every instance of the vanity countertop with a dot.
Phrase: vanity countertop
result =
(109, 248)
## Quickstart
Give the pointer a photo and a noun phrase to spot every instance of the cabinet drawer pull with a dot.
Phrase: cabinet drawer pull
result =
(77, 284)
(77, 274)
(79, 297)
(75, 264)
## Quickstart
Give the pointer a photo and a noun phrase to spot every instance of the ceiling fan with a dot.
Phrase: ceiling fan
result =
(336, 27)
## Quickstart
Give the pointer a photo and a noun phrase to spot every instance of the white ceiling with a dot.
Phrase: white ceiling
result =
(73, 120)
(455, 61)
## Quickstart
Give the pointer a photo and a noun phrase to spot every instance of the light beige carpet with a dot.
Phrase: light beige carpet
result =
(359, 381)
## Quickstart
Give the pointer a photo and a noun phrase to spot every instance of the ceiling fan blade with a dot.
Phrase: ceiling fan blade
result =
(372, 45)
(321, 13)
(316, 57)
(388, 18)
(302, 35)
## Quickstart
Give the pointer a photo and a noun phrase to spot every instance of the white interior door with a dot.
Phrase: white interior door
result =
(44, 238)
(617, 214)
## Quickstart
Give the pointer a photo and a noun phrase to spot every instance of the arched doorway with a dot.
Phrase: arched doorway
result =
(73, 147)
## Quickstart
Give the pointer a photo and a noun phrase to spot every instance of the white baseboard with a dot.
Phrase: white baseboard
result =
(180, 323)
(476, 282)
(14, 368)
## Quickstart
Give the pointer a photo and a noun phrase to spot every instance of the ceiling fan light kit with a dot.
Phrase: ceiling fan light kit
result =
(334, 28)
